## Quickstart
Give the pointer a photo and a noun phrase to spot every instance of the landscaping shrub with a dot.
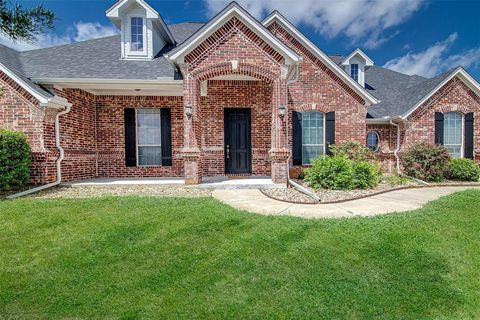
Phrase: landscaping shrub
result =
(14, 160)
(341, 173)
(354, 151)
(365, 174)
(463, 170)
(426, 161)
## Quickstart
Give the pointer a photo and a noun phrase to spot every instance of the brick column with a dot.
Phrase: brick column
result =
(279, 151)
(191, 152)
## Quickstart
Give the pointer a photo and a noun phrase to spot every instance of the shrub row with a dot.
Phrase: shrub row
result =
(433, 163)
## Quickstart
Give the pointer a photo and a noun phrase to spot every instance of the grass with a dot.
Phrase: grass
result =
(133, 257)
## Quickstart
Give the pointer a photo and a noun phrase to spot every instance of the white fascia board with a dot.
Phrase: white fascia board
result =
(114, 11)
(369, 62)
(385, 120)
(461, 74)
(105, 81)
(40, 97)
(369, 99)
(234, 11)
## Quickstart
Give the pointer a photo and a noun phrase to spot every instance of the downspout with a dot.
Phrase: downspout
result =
(289, 181)
(398, 145)
(58, 162)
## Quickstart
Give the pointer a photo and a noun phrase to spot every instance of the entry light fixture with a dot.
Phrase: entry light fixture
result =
(189, 110)
(281, 111)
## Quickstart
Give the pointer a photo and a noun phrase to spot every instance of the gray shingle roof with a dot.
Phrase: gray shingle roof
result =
(397, 92)
(11, 60)
(100, 59)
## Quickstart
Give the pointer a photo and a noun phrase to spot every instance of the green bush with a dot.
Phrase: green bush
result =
(463, 170)
(365, 174)
(14, 160)
(341, 173)
(426, 161)
(354, 151)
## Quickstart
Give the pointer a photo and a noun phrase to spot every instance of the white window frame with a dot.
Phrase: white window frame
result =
(147, 145)
(131, 52)
(462, 147)
(358, 72)
(324, 137)
(378, 138)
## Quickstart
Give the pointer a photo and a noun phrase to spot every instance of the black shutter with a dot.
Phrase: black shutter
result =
(130, 138)
(329, 131)
(469, 135)
(438, 128)
(166, 137)
(297, 138)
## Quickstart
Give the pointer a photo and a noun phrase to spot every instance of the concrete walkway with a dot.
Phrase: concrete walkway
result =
(395, 201)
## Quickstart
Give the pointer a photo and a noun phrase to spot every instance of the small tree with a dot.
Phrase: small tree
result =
(20, 24)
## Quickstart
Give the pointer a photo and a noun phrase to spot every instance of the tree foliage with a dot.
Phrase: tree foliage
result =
(24, 24)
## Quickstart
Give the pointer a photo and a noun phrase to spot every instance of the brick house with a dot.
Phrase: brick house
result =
(234, 96)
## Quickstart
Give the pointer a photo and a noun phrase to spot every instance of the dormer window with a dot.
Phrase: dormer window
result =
(354, 71)
(136, 43)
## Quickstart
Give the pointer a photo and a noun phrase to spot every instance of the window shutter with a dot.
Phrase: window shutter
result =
(130, 138)
(438, 128)
(297, 138)
(329, 131)
(469, 135)
(166, 125)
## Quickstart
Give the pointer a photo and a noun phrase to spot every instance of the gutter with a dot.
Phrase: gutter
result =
(58, 162)
(289, 181)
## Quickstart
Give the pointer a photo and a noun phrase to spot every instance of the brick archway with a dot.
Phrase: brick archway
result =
(229, 68)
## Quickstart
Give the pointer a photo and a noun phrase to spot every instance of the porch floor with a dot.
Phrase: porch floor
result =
(220, 182)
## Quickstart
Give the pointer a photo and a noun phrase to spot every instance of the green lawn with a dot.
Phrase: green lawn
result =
(136, 257)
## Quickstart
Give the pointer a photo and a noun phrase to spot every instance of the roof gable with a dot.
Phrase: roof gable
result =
(115, 12)
(442, 80)
(232, 10)
(357, 52)
(287, 25)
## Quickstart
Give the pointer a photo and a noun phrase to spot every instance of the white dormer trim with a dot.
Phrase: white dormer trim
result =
(128, 34)
(287, 25)
(368, 62)
(155, 32)
(233, 10)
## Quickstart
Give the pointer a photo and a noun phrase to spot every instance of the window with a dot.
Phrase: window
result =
(149, 137)
(453, 134)
(313, 135)
(373, 141)
(354, 71)
(136, 34)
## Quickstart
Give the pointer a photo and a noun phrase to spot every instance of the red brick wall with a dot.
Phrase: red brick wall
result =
(20, 111)
(454, 96)
(256, 95)
(320, 89)
(111, 136)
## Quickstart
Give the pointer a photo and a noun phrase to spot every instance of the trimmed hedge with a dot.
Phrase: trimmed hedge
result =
(463, 170)
(342, 173)
(426, 161)
(14, 160)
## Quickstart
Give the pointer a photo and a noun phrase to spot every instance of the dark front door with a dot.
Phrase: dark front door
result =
(238, 143)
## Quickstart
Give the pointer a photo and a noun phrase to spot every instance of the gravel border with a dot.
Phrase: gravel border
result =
(288, 194)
